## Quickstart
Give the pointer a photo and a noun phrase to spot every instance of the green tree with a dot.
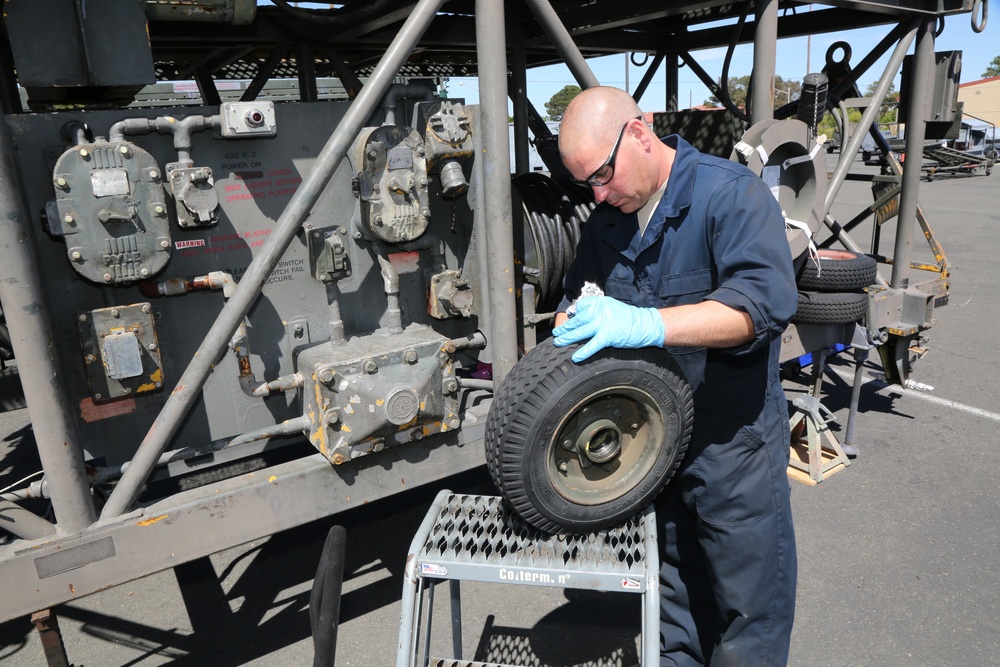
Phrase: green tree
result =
(784, 92)
(993, 69)
(890, 105)
(556, 106)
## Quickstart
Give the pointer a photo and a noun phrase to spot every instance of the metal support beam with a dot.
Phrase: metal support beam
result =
(563, 42)
(306, 65)
(264, 72)
(764, 40)
(850, 148)
(671, 103)
(519, 96)
(920, 91)
(647, 78)
(34, 342)
(189, 385)
(491, 53)
(20, 522)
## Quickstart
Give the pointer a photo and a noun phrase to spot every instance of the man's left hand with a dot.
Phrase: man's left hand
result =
(609, 323)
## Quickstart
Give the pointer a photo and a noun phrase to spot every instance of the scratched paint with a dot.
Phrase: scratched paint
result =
(150, 522)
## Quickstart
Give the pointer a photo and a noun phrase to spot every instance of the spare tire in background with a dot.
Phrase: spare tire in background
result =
(838, 271)
(575, 448)
(830, 307)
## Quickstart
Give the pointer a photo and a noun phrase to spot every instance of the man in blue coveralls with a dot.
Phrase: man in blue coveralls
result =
(691, 254)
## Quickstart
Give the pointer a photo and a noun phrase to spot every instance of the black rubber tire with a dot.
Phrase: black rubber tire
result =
(839, 271)
(830, 307)
(547, 400)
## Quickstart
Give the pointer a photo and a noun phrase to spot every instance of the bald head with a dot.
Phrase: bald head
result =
(594, 118)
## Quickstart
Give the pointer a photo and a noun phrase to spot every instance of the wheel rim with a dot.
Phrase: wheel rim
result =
(606, 445)
(836, 254)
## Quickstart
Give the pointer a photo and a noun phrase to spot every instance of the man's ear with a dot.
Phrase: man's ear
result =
(642, 134)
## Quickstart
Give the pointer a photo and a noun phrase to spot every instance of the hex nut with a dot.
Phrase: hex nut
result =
(410, 356)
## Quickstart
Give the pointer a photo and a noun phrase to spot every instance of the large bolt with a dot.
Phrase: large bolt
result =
(450, 386)
(567, 444)
(370, 367)
(454, 424)
(76, 255)
(164, 244)
(146, 308)
(115, 313)
(152, 347)
(124, 151)
(143, 272)
(68, 218)
(410, 356)
(107, 277)
(326, 375)
(84, 153)
(61, 182)
(153, 174)
(563, 466)
(158, 209)
(331, 417)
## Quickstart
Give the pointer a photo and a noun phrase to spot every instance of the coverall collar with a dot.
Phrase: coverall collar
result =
(624, 236)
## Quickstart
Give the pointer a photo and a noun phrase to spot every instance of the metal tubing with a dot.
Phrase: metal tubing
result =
(850, 149)
(34, 342)
(647, 78)
(455, 588)
(860, 356)
(193, 379)
(264, 72)
(765, 38)
(519, 96)
(491, 53)
(673, 79)
(920, 87)
(561, 39)
(20, 522)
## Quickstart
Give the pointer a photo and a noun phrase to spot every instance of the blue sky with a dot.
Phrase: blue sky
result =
(978, 50)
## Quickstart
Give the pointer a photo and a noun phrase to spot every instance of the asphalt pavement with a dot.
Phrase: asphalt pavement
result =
(898, 553)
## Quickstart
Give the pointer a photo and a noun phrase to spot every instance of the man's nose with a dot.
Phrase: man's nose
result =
(600, 193)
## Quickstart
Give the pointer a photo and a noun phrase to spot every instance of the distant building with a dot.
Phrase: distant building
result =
(982, 99)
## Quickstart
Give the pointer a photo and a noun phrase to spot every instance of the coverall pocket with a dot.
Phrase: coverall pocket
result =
(681, 289)
(737, 489)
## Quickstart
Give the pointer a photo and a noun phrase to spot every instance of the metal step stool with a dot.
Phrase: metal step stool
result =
(478, 538)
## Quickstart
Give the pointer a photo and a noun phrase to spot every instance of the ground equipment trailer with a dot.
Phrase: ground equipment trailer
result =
(232, 316)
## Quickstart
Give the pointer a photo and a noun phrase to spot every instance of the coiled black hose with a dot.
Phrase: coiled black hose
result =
(553, 215)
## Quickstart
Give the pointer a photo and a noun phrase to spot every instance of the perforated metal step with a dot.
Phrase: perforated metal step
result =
(481, 538)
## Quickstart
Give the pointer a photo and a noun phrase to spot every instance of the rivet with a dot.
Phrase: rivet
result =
(154, 174)
(115, 313)
(158, 384)
(82, 318)
(98, 396)
(158, 209)
(124, 150)
(144, 272)
(84, 153)
(151, 347)
(61, 182)
(107, 277)
(76, 255)
(164, 244)
(68, 218)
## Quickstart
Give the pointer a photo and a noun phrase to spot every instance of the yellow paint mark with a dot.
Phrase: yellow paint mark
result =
(150, 522)
(272, 479)
(380, 402)
(345, 427)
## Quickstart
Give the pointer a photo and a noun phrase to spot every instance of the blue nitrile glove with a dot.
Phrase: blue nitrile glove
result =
(608, 322)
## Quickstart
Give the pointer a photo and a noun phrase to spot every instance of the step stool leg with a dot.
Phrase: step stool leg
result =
(651, 592)
(456, 618)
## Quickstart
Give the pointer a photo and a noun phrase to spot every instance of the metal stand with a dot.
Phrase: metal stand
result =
(808, 424)
(478, 538)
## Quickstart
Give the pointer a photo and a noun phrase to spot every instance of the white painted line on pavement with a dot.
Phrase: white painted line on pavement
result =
(924, 396)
